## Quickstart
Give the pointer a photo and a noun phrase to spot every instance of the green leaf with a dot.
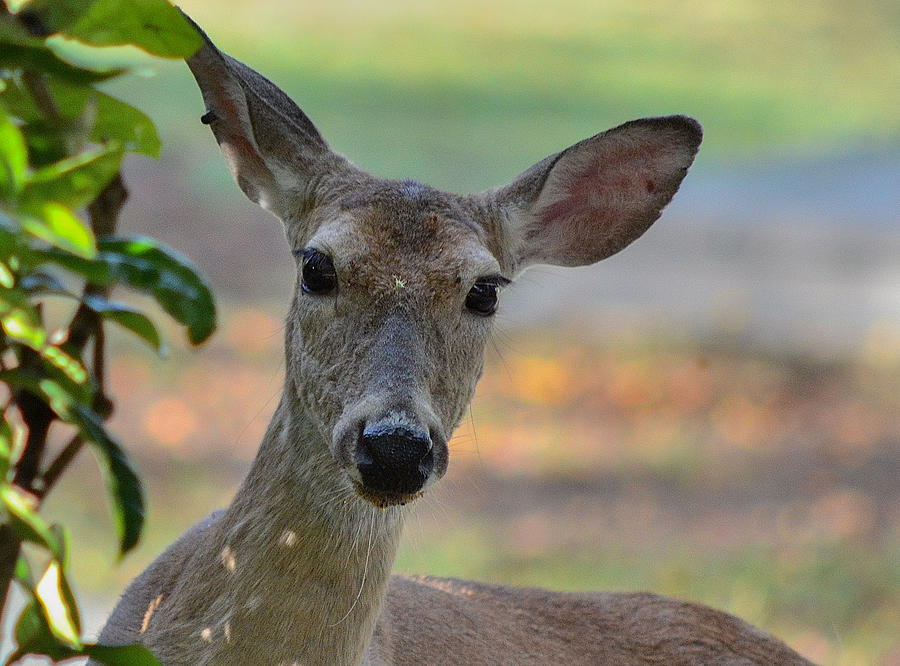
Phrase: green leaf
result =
(7, 279)
(149, 265)
(56, 597)
(20, 320)
(30, 625)
(125, 655)
(23, 572)
(114, 120)
(25, 521)
(56, 389)
(67, 371)
(39, 58)
(13, 159)
(75, 181)
(49, 141)
(57, 225)
(21, 323)
(31, 630)
(20, 328)
(57, 363)
(123, 315)
(126, 317)
(98, 272)
(122, 481)
(53, 386)
(28, 380)
(34, 636)
(6, 444)
(39, 282)
(153, 25)
(62, 536)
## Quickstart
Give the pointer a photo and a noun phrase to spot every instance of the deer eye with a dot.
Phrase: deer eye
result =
(482, 297)
(319, 276)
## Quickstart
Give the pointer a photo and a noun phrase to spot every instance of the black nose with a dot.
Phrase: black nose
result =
(394, 458)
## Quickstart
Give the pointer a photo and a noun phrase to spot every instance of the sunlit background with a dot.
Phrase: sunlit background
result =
(712, 414)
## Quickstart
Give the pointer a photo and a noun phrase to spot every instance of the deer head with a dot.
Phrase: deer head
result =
(397, 283)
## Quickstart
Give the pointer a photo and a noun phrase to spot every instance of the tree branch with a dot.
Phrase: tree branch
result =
(58, 466)
(104, 214)
(9, 553)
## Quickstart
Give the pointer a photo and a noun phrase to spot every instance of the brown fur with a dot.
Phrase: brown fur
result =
(297, 569)
(493, 624)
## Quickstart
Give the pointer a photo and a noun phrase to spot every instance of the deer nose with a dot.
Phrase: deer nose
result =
(394, 458)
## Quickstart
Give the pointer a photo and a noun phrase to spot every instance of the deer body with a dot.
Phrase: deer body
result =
(384, 344)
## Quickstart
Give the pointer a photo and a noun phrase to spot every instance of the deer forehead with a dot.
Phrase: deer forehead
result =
(405, 238)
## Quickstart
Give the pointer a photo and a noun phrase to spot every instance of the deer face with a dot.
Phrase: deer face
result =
(397, 282)
(393, 305)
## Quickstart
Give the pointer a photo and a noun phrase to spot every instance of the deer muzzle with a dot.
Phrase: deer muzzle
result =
(392, 459)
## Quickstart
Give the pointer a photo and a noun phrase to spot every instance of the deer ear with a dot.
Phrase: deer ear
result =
(272, 148)
(594, 198)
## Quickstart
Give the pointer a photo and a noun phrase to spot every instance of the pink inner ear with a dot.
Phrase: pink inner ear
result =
(605, 194)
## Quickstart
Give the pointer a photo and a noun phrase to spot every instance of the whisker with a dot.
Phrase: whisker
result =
(364, 576)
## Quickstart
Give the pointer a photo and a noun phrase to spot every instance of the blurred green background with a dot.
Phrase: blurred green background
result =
(712, 414)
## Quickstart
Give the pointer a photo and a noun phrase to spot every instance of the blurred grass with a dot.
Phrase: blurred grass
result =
(801, 65)
(464, 94)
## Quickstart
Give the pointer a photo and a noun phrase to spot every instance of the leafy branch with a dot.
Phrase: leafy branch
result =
(62, 142)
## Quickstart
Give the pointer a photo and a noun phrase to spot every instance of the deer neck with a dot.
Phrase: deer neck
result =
(300, 562)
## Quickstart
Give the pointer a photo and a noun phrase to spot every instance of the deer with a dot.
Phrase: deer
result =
(397, 285)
